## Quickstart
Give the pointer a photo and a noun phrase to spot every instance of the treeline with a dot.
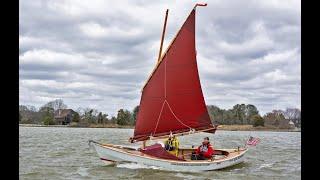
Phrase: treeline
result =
(89, 116)
(82, 116)
(248, 114)
(241, 114)
(44, 115)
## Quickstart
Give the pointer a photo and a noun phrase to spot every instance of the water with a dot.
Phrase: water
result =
(63, 153)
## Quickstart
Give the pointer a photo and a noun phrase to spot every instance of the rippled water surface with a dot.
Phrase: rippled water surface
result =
(63, 153)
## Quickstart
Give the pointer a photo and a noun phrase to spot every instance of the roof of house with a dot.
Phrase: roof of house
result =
(63, 113)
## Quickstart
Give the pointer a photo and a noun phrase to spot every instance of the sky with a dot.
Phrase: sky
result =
(99, 53)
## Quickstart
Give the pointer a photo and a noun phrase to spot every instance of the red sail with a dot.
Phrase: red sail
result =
(172, 99)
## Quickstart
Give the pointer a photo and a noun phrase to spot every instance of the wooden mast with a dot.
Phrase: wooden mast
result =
(162, 36)
(159, 60)
(159, 56)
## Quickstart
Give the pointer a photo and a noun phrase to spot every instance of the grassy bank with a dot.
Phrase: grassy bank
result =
(106, 125)
(41, 125)
(110, 126)
(251, 128)
(75, 125)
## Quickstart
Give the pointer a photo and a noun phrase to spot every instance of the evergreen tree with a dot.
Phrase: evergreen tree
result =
(257, 120)
(124, 117)
(76, 117)
(135, 114)
(100, 118)
(47, 115)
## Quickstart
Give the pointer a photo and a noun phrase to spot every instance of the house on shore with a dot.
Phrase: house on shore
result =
(291, 124)
(64, 116)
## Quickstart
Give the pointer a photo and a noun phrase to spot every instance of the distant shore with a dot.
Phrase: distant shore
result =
(220, 127)
(80, 126)
(251, 128)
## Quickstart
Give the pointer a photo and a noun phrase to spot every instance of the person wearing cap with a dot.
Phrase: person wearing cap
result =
(204, 151)
(172, 145)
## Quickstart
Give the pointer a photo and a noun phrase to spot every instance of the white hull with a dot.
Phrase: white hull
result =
(112, 153)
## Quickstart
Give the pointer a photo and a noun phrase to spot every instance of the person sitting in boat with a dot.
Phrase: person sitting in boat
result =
(172, 145)
(204, 151)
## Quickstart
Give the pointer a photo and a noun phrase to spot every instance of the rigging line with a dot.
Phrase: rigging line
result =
(159, 118)
(176, 116)
(165, 79)
(165, 101)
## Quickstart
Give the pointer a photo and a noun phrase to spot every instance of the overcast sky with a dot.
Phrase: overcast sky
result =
(98, 53)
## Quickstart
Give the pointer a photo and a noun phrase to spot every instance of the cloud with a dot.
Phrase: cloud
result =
(99, 53)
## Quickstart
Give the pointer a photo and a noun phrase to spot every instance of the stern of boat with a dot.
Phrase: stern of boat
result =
(235, 156)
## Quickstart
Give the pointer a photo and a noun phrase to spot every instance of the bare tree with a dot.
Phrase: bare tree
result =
(29, 114)
(104, 118)
(90, 115)
(80, 111)
(59, 104)
(294, 115)
(56, 104)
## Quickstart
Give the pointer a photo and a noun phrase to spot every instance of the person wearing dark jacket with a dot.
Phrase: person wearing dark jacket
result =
(204, 151)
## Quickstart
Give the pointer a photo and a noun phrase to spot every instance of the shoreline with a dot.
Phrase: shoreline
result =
(80, 126)
(220, 127)
(251, 128)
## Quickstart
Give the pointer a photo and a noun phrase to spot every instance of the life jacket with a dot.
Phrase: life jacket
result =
(206, 150)
(172, 145)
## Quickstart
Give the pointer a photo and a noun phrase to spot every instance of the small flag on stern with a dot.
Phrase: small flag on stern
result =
(253, 141)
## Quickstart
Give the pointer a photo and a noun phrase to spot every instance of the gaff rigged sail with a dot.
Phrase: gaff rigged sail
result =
(172, 99)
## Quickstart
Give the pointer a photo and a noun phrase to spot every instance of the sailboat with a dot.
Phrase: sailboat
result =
(172, 103)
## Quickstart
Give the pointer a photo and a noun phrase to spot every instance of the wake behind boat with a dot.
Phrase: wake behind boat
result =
(172, 103)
